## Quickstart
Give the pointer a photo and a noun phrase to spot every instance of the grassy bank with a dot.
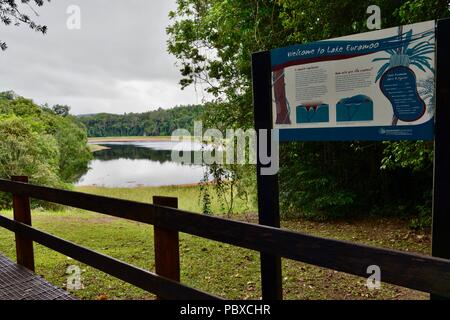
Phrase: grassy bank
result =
(96, 147)
(214, 267)
(189, 196)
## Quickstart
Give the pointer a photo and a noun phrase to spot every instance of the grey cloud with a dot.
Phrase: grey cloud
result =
(116, 63)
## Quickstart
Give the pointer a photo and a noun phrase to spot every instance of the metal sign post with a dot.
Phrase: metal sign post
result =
(268, 202)
(441, 175)
(388, 108)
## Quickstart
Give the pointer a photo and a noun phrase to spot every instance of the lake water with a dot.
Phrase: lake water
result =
(131, 164)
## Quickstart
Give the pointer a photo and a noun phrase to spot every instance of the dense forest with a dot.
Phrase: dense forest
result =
(46, 144)
(316, 179)
(161, 122)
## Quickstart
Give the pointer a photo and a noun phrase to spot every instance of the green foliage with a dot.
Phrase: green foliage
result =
(423, 219)
(10, 13)
(72, 141)
(213, 41)
(153, 123)
(48, 148)
(61, 110)
(314, 184)
(24, 151)
(413, 11)
(204, 195)
(29, 152)
(417, 155)
(232, 30)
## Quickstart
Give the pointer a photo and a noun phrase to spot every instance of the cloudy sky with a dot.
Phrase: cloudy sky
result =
(117, 62)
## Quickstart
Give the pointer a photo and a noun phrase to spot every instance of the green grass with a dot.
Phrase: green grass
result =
(214, 267)
(189, 197)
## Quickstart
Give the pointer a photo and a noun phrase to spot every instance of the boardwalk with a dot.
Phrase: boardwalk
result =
(18, 283)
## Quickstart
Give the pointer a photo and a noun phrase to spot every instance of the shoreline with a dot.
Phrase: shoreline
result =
(95, 147)
(95, 140)
(94, 143)
(184, 185)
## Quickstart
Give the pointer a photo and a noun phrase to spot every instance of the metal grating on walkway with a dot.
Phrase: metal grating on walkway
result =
(19, 283)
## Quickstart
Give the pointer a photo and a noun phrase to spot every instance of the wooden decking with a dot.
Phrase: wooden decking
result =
(19, 283)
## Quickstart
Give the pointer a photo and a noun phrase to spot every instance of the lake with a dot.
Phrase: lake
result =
(149, 163)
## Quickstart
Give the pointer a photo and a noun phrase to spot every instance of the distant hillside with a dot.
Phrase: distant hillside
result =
(86, 115)
(153, 123)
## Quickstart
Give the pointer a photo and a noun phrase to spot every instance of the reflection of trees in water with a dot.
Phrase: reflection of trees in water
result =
(82, 172)
(136, 152)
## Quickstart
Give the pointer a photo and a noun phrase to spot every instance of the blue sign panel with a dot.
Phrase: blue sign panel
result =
(371, 86)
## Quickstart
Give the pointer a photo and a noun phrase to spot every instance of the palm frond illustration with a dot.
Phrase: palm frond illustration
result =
(398, 65)
(427, 92)
(406, 54)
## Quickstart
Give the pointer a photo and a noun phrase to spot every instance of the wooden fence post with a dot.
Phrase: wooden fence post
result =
(167, 247)
(22, 213)
(268, 189)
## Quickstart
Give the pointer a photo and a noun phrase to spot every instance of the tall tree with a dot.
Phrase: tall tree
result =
(61, 110)
(213, 41)
(66, 132)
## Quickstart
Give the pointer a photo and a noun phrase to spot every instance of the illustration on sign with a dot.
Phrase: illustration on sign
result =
(316, 112)
(283, 111)
(357, 108)
(371, 86)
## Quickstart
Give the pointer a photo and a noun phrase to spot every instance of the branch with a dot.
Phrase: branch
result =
(9, 11)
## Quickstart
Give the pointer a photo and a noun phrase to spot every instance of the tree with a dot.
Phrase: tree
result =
(61, 110)
(153, 123)
(11, 13)
(213, 41)
(71, 137)
(66, 132)
(27, 150)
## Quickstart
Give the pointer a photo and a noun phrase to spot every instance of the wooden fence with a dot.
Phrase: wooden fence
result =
(419, 272)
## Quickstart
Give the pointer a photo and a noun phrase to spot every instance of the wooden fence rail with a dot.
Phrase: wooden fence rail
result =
(419, 272)
(143, 279)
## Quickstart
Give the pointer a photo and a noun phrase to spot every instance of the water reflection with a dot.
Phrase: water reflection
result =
(129, 164)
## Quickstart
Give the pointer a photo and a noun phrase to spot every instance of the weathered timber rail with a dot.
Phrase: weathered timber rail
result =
(419, 272)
